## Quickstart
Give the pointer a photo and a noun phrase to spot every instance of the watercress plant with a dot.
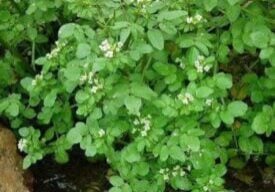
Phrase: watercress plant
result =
(170, 93)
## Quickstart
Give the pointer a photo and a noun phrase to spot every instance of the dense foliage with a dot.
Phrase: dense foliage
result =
(169, 92)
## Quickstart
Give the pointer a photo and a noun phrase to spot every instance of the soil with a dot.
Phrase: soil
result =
(255, 177)
(78, 175)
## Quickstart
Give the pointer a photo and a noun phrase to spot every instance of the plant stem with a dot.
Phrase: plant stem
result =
(146, 66)
(33, 56)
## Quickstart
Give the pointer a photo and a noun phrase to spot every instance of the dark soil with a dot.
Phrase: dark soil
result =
(255, 177)
(79, 175)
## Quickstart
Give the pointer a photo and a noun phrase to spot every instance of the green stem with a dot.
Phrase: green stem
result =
(33, 56)
(146, 67)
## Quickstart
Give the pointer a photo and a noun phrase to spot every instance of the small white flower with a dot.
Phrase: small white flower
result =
(189, 96)
(177, 167)
(211, 181)
(205, 188)
(207, 68)
(105, 46)
(136, 122)
(182, 65)
(198, 17)
(83, 78)
(134, 130)
(161, 171)
(209, 102)
(182, 173)
(143, 133)
(39, 77)
(34, 82)
(94, 89)
(189, 20)
(101, 132)
(22, 144)
(174, 173)
(174, 134)
(109, 54)
(166, 177)
(186, 98)
(201, 58)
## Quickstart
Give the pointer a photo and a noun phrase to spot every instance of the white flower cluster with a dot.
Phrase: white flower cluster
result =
(194, 20)
(182, 65)
(200, 66)
(56, 50)
(108, 49)
(96, 86)
(101, 132)
(206, 187)
(144, 123)
(36, 79)
(176, 171)
(209, 102)
(22, 143)
(87, 77)
(165, 173)
(186, 98)
(90, 78)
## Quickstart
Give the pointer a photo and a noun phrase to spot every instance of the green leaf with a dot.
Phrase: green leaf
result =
(210, 4)
(13, 109)
(232, 2)
(50, 99)
(227, 117)
(61, 157)
(90, 151)
(233, 12)
(82, 96)
(260, 38)
(164, 69)
(27, 162)
(116, 181)
(186, 41)
(267, 52)
(204, 92)
(237, 108)
(177, 153)
(223, 81)
(72, 73)
(261, 123)
(25, 131)
(164, 153)
(182, 183)
(142, 91)
(83, 50)
(115, 189)
(133, 104)
(156, 38)
(75, 134)
(66, 30)
(170, 15)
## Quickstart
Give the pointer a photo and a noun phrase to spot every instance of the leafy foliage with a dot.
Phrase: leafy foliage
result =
(158, 88)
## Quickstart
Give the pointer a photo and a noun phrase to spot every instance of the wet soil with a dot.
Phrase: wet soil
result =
(255, 177)
(78, 175)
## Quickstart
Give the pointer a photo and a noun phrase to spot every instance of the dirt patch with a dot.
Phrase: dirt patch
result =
(12, 174)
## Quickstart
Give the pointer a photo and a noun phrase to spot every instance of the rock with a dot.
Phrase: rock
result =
(11, 172)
